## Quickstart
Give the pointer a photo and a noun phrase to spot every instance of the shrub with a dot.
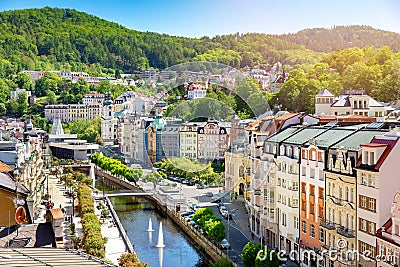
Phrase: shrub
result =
(131, 260)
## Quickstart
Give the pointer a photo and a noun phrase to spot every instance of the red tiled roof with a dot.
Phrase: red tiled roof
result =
(373, 145)
(4, 168)
(377, 142)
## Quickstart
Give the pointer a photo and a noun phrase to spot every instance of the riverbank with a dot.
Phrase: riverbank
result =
(203, 245)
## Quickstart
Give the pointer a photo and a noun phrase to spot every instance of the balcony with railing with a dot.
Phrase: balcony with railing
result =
(345, 232)
(327, 224)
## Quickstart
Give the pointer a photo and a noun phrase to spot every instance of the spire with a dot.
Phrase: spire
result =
(57, 128)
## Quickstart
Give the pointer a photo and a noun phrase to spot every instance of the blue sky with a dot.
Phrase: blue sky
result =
(196, 18)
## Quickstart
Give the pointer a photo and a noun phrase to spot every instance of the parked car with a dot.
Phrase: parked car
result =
(224, 213)
(221, 208)
(200, 186)
(187, 213)
(225, 244)
(209, 194)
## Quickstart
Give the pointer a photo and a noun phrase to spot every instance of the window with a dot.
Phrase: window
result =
(312, 190)
(363, 225)
(304, 227)
(303, 171)
(312, 173)
(352, 195)
(372, 204)
(312, 208)
(364, 179)
(295, 186)
(321, 192)
(321, 175)
(283, 219)
(396, 258)
(279, 181)
(371, 228)
(283, 183)
(381, 250)
(371, 181)
(321, 235)
(363, 202)
(312, 230)
(303, 187)
(296, 222)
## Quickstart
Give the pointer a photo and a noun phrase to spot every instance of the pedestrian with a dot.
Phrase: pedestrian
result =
(252, 235)
(60, 206)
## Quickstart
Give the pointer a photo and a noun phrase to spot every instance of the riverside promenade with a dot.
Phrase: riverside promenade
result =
(115, 245)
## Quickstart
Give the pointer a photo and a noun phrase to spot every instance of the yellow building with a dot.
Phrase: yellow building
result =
(235, 170)
(11, 196)
(188, 140)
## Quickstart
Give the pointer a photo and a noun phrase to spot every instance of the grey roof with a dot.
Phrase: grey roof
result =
(374, 103)
(282, 135)
(331, 136)
(46, 257)
(6, 181)
(303, 136)
(343, 101)
(354, 141)
(325, 92)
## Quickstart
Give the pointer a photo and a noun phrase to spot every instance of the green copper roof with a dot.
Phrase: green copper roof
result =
(331, 136)
(158, 123)
(305, 135)
(354, 141)
(280, 136)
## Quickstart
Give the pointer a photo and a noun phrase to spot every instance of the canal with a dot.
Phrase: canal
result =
(134, 214)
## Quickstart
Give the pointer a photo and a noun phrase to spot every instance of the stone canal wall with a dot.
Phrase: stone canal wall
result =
(210, 249)
(121, 229)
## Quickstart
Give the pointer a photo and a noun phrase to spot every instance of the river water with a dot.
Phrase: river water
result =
(134, 214)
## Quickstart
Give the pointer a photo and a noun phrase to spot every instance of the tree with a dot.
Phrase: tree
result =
(271, 259)
(249, 254)
(22, 104)
(51, 97)
(154, 177)
(222, 262)
(4, 91)
(80, 87)
(12, 106)
(3, 109)
(23, 80)
(216, 230)
(136, 174)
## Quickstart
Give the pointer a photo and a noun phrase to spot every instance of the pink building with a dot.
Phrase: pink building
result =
(388, 238)
(378, 171)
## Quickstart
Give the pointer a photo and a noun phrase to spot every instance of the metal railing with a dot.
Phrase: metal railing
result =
(345, 232)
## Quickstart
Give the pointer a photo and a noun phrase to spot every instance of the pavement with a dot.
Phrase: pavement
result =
(115, 245)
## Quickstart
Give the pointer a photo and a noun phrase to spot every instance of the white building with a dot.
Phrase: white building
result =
(72, 112)
(93, 99)
(14, 94)
(196, 91)
(349, 102)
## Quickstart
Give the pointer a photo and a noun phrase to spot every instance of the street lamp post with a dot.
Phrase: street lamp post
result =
(102, 177)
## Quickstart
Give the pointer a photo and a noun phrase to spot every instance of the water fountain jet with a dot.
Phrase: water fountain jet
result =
(150, 229)
(160, 243)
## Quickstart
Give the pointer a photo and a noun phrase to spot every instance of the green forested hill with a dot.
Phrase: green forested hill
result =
(65, 39)
(342, 37)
